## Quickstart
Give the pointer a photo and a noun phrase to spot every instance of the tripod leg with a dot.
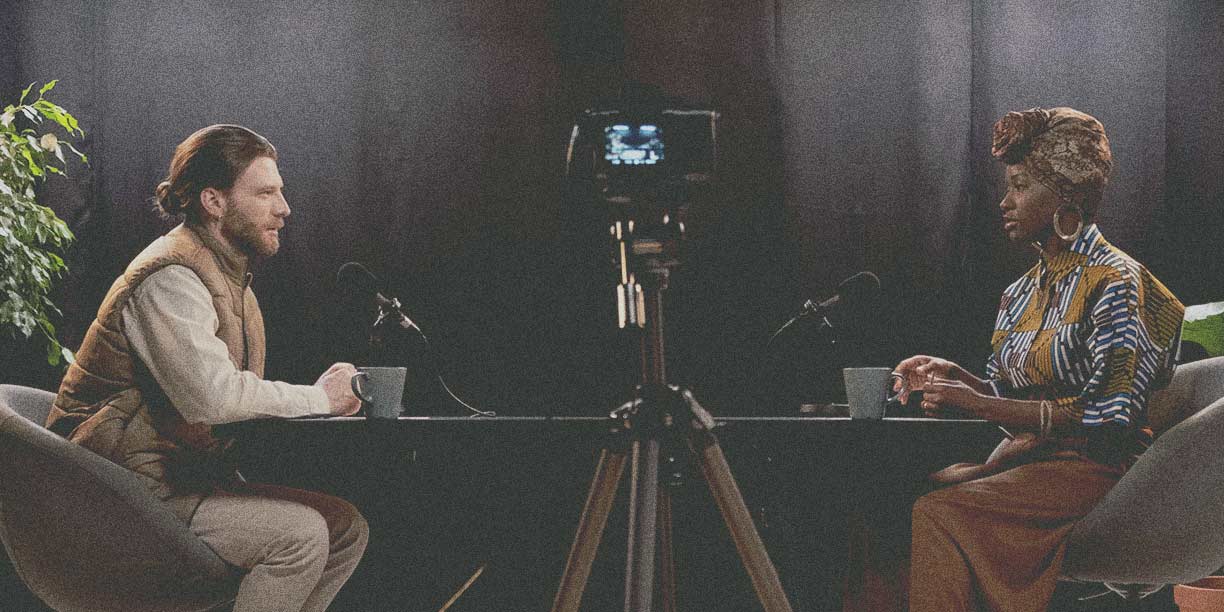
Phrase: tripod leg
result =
(739, 522)
(590, 530)
(667, 566)
(643, 510)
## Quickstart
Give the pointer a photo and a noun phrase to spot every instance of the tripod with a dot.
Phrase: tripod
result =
(661, 414)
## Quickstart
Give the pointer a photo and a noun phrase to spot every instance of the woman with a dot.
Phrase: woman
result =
(1080, 342)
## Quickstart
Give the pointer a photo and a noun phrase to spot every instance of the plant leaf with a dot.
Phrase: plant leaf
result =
(53, 350)
(33, 166)
(84, 160)
(47, 87)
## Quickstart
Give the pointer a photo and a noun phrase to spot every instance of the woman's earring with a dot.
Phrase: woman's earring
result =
(1079, 227)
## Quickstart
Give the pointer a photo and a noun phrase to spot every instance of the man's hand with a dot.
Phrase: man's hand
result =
(336, 382)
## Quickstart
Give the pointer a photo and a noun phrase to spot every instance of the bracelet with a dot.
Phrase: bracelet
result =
(1046, 418)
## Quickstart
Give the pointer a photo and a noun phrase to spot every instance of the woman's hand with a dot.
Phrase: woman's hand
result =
(941, 395)
(1009, 452)
(958, 473)
(921, 369)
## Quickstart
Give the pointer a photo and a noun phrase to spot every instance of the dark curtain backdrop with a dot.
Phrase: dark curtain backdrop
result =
(426, 139)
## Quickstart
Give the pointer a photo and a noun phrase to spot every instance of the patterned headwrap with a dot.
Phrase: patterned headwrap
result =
(1061, 148)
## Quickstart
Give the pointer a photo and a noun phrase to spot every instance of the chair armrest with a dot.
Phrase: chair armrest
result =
(1161, 523)
(1194, 386)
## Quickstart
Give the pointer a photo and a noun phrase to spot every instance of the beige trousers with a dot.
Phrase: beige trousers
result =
(298, 547)
(997, 543)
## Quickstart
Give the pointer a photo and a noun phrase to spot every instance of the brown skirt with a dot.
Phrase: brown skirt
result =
(997, 543)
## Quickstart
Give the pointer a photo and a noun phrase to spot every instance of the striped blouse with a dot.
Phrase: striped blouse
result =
(1094, 332)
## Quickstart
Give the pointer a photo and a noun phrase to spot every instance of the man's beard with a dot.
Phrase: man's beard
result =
(248, 236)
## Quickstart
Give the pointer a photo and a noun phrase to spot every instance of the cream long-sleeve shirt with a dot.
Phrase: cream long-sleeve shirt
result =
(171, 324)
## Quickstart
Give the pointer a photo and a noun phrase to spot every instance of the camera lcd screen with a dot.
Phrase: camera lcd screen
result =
(633, 145)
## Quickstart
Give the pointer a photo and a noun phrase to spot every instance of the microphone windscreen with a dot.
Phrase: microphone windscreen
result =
(356, 276)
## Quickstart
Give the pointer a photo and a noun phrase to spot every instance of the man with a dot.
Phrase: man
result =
(178, 346)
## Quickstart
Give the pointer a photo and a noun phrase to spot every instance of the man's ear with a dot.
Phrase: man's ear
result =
(212, 203)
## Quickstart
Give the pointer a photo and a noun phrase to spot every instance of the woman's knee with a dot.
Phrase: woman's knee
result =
(930, 508)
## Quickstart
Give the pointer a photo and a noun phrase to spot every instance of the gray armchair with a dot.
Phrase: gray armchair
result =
(85, 535)
(1161, 524)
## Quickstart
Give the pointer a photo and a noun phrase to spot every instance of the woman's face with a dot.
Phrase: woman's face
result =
(1028, 208)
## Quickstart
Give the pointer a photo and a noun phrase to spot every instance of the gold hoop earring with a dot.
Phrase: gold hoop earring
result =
(1079, 227)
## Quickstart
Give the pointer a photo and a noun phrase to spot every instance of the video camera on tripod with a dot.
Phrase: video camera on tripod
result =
(643, 162)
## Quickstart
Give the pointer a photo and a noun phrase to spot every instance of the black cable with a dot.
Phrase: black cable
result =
(435, 361)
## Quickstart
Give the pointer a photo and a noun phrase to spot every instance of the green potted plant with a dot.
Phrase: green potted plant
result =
(32, 237)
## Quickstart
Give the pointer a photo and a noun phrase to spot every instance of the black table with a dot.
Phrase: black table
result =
(444, 494)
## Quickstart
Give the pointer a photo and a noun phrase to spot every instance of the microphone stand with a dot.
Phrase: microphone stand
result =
(391, 316)
(809, 307)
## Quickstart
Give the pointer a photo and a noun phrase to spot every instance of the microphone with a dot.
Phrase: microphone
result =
(858, 290)
(861, 289)
(357, 276)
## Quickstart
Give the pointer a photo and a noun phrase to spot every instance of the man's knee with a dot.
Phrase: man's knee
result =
(304, 538)
(352, 529)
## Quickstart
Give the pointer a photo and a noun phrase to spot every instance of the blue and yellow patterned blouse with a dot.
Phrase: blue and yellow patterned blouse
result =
(1094, 332)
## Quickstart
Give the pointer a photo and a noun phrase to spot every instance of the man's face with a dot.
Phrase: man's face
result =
(1028, 208)
(256, 209)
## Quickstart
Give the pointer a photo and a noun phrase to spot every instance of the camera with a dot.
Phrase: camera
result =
(645, 155)
(642, 162)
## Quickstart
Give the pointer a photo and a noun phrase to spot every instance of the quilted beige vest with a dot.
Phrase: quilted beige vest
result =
(109, 403)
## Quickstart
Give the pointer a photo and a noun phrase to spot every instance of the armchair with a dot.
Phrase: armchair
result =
(85, 535)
